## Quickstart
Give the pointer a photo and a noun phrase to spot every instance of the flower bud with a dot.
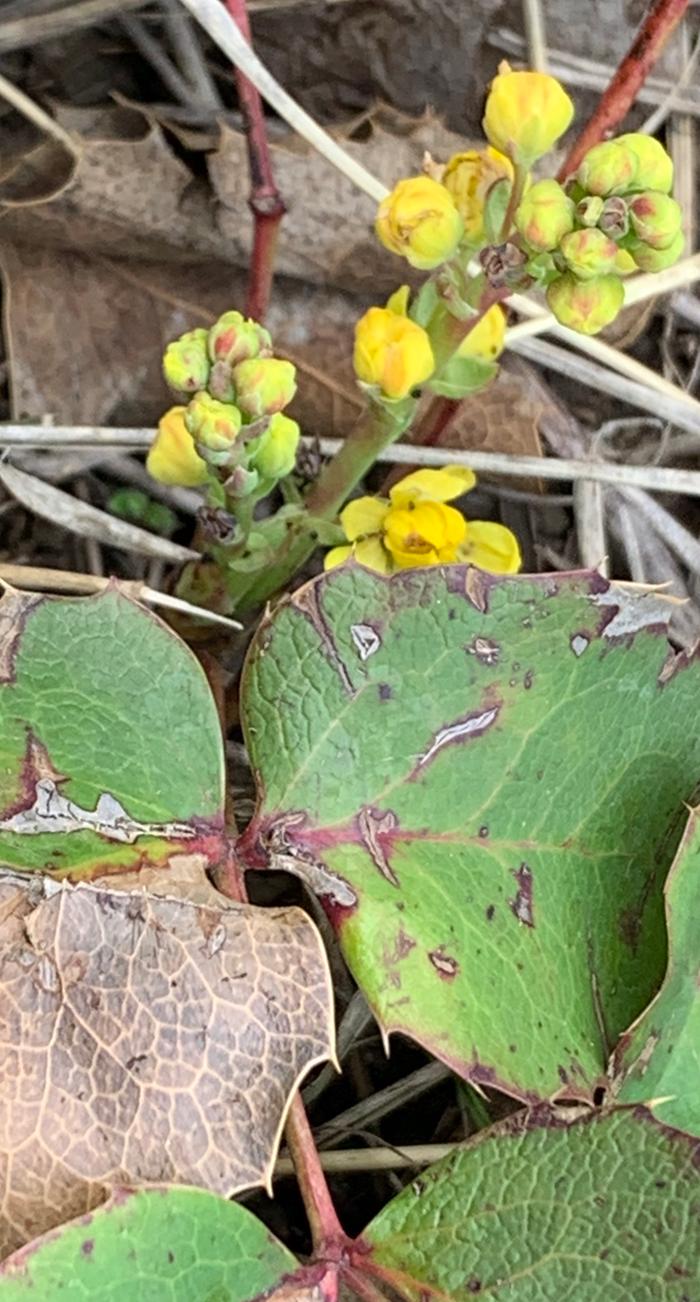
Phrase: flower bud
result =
(173, 458)
(232, 339)
(588, 253)
(503, 264)
(264, 385)
(654, 168)
(545, 215)
(391, 352)
(486, 339)
(526, 113)
(185, 362)
(468, 177)
(589, 209)
(649, 259)
(614, 218)
(419, 220)
(241, 482)
(655, 218)
(273, 453)
(586, 306)
(216, 524)
(213, 424)
(221, 382)
(608, 168)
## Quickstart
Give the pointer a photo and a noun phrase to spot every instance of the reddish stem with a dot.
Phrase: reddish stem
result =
(329, 1238)
(629, 76)
(265, 200)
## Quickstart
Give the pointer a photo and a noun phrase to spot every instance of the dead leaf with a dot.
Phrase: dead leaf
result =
(147, 1040)
(86, 521)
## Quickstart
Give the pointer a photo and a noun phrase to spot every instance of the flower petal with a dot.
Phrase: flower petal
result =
(412, 560)
(365, 515)
(440, 485)
(371, 553)
(336, 556)
(398, 302)
(492, 547)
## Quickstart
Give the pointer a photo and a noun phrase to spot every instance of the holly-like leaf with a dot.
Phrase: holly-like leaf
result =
(541, 1208)
(146, 1039)
(484, 779)
(461, 376)
(658, 1061)
(183, 1245)
(111, 754)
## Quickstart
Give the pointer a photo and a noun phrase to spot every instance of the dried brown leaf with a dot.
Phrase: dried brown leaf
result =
(144, 1040)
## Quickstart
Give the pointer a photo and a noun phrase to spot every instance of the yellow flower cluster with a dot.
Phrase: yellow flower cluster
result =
(233, 382)
(415, 527)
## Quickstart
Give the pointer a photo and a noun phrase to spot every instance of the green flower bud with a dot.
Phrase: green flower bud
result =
(655, 218)
(608, 168)
(649, 259)
(586, 306)
(545, 215)
(264, 385)
(273, 453)
(654, 169)
(614, 219)
(213, 425)
(233, 339)
(242, 482)
(185, 362)
(588, 253)
(589, 209)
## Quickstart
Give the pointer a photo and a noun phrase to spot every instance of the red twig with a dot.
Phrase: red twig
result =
(329, 1238)
(266, 203)
(630, 75)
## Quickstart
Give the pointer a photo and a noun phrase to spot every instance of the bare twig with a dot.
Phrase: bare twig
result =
(223, 31)
(382, 1102)
(657, 479)
(535, 35)
(152, 51)
(670, 102)
(265, 200)
(619, 97)
(36, 114)
(35, 578)
(590, 524)
(185, 43)
(359, 1160)
(86, 521)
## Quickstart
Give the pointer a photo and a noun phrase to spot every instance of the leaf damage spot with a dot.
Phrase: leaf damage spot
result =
(14, 609)
(579, 643)
(484, 650)
(55, 813)
(522, 905)
(445, 964)
(372, 825)
(295, 858)
(366, 640)
(627, 610)
(472, 725)
(308, 601)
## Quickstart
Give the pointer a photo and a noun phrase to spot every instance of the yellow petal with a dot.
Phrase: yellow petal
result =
(433, 485)
(492, 547)
(173, 458)
(363, 516)
(427, 527)
(336, 556)
(486, 339)
(371, 553)
(412, 560)
(398, 303)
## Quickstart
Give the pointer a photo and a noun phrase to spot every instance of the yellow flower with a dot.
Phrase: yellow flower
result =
(391, 352)
(416, 527)
(486, 339)
(526, 113)
(419, 220)
(469, 177)
(173, 458)
(492, 547)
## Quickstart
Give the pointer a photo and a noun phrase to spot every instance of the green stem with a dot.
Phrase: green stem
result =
(380, 425)
(516, 194)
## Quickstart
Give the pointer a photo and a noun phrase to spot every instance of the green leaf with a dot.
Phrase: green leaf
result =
(540, 1209)
(658, 1061)
(484, 777)
(160, 1245)
(461, 376)
(495, 210)
(424, 304)
(110, 746)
